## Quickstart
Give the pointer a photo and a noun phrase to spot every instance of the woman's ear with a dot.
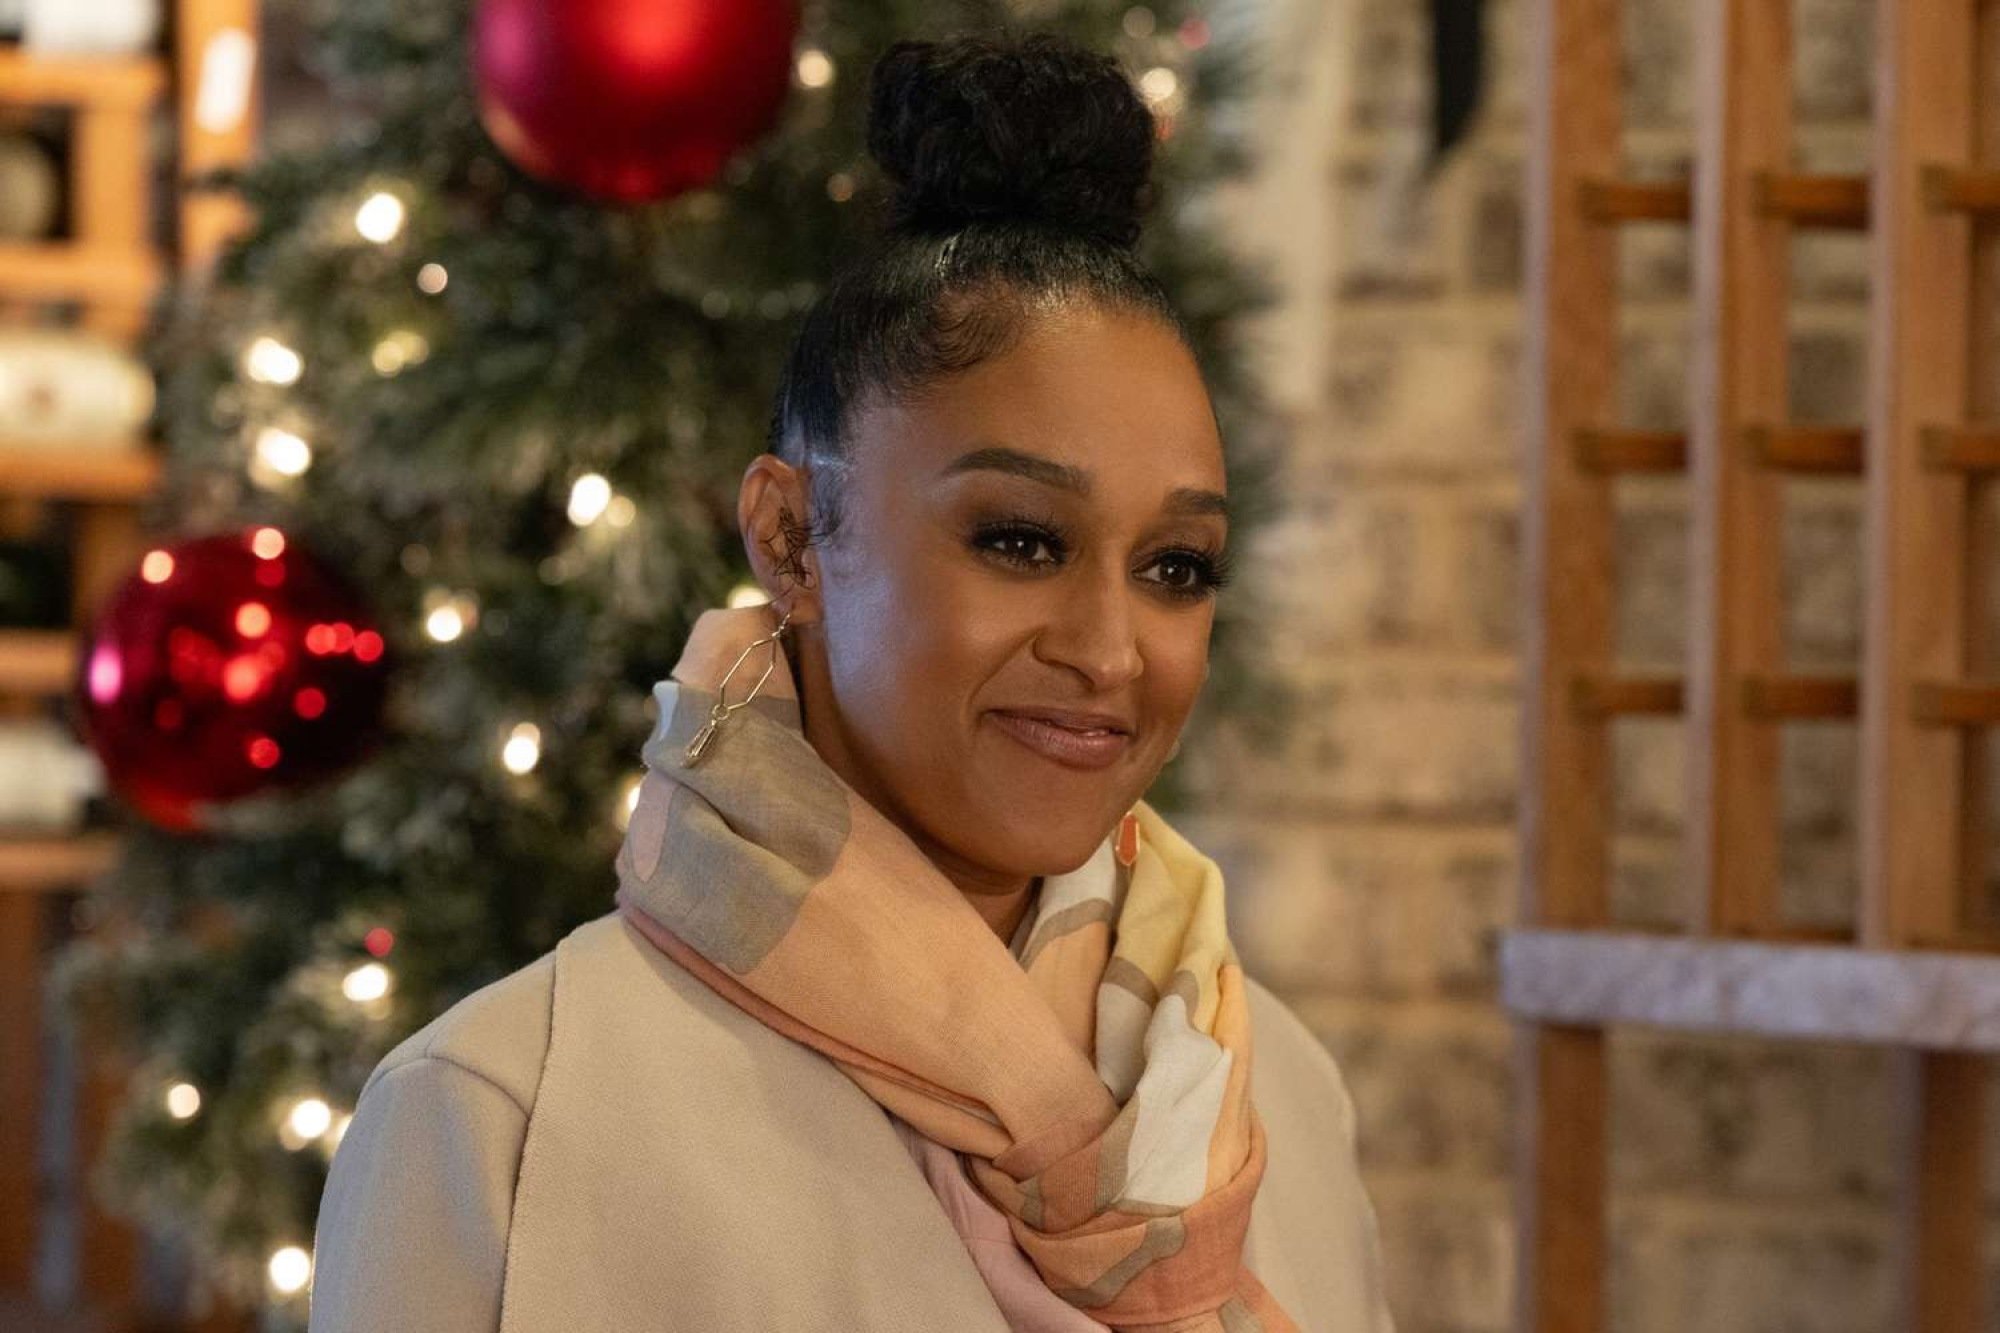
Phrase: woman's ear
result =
(773, 514)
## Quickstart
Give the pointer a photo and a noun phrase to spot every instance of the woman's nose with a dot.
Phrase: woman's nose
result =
(1093, 628)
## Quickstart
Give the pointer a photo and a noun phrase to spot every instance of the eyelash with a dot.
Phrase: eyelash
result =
(1213, 570)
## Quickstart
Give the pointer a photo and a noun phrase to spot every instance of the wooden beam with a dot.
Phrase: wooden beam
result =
(1919, 376)
(1800, 697)
(1738, 384)
(1564, 811)
(121, 470)
(1610, 451)
(1838, 202)
(1807, 449)
(1614, 201)
(80, 81)
(1605, 695)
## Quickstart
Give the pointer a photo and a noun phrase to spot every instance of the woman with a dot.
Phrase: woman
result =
(912, 1015)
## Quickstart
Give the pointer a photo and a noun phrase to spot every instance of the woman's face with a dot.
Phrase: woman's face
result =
(1034, 533)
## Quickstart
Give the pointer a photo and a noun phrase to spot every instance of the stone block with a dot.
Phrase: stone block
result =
(1430, 394)
(1675, 1268)
(1730, 1116)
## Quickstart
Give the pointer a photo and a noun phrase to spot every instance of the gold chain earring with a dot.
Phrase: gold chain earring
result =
(720, 710)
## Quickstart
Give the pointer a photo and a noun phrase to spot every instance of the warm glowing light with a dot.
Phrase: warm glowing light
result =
(621, 511)
(370, 981)
(271, 362)
(1138, 22)
(628, 801)
(309, 703)
(367, 646)
(267, 543)
(310, 1117)
(1158, 84)
(402, 348)
(253, 620)
(431, 279)
(815, 68)
(290, 1267)
(523, 749)
(587, 499)
(444, 624)
(283, 452)
(157, 567)
(379, 940)
(263, 752)
(748, 594)
(183, 1100)
(380, 217)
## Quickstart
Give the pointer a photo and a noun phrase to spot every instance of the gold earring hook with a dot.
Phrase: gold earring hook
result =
(720, 710)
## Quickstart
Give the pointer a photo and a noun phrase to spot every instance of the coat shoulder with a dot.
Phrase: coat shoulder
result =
(499, 1032)
(1291, 1058)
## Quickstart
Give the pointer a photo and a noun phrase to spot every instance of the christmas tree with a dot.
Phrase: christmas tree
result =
(516, 415)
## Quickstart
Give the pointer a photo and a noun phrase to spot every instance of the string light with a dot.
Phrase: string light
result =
(403, 347)
(523, 749)
(748, 594)
(183, 1101)
(370, 981)
(814, 68)
(447, 615)
(380, 217)
(1158, 85)
(305, 1120)
(431, 279)
(290, 1268)
(587, 498)
(628, 800)
(269, 361)
(282, 453)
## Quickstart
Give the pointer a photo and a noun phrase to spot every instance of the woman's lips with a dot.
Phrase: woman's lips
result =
(1076, 749)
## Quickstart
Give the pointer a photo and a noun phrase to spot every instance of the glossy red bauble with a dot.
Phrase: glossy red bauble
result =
(228, 665)
(630, 100)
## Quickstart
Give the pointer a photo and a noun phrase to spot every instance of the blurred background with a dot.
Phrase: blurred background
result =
(373, 395)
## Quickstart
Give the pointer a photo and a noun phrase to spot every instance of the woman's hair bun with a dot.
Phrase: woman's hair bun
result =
(1034, 129)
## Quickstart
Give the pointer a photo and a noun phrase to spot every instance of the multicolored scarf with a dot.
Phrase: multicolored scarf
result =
(1097, 1085)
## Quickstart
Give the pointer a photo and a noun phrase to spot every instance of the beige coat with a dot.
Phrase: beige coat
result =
(599, 1143)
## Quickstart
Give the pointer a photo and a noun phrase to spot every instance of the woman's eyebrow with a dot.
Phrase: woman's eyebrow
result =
(1068, 477)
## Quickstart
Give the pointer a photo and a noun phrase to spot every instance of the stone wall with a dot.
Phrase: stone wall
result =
(1371, 855)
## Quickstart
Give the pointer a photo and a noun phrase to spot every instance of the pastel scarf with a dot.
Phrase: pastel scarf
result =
(1097, 1087)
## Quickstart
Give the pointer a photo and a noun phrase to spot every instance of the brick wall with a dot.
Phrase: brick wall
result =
(1371, 856)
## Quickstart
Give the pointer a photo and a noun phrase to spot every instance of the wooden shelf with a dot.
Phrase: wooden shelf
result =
(36, 661)
(54, 272)
(53, 863)
(81, 81)
(1940, 1000)
(97, 471)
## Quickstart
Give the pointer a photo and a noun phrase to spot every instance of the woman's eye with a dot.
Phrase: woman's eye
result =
(1190, 569)
(1017, 544)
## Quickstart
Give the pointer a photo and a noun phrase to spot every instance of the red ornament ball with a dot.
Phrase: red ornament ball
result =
(227, 665)
(630, 100)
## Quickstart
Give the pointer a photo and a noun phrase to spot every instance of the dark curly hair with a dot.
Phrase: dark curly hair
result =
(1020, 169)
